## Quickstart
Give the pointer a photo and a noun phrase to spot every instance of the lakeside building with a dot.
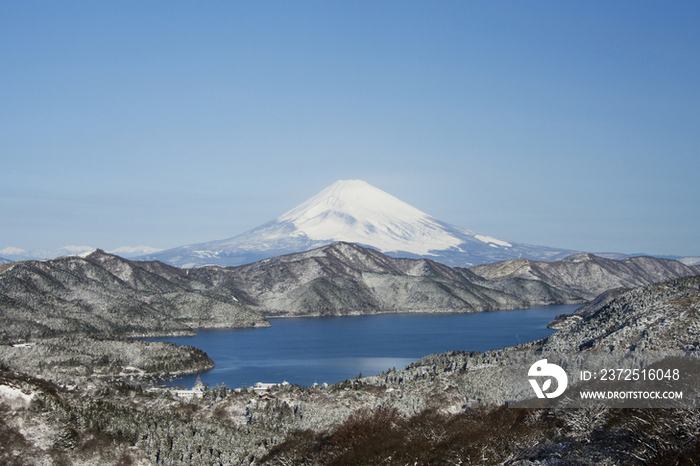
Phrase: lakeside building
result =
(196, 392)
(264, 387)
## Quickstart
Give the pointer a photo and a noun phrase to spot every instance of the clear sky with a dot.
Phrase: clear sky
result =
(564, 124)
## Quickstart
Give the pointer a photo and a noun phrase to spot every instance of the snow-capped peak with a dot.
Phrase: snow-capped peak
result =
(357, 212)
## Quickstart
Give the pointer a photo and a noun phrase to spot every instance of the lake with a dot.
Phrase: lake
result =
(310, 350)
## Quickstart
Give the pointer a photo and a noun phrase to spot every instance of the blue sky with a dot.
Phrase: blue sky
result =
(565, 124)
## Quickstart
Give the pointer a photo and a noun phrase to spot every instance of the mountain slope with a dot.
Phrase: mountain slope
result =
(588, 275)
(356, 212)
(658, 316)
(105, 294)
(344, 278)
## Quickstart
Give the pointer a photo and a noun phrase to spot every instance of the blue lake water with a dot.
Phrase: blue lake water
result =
(332, 349)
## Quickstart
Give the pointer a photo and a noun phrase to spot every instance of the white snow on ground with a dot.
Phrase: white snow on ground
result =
(489, 239)
(37, 429)
(86, 253)
(14, 397)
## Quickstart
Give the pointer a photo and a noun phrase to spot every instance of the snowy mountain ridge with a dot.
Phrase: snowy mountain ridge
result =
(17, 254)
(357, 212)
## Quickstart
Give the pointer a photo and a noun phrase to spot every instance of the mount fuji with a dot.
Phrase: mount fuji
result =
(357, 212)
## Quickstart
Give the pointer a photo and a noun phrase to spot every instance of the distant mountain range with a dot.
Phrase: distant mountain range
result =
(11, 254)
(106, 294)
